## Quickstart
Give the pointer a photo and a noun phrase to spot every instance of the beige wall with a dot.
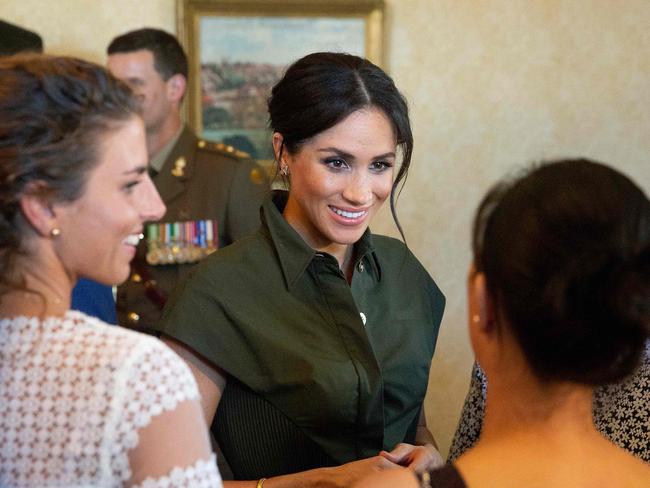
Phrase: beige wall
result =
(492, 85)
(83, 28)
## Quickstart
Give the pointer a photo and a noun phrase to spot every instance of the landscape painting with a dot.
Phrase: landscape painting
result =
(242, 57)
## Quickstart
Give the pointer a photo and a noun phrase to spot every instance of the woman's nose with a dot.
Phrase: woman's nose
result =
(152, 207)
(358, 191)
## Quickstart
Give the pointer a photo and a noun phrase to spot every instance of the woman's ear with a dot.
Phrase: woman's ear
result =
(278, 142)
(482, 320)
(38, 211)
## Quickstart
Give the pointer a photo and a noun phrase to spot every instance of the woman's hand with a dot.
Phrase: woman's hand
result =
(402, 478)
(421, 457)
(342, 476)
(348, 474)
(417, 458)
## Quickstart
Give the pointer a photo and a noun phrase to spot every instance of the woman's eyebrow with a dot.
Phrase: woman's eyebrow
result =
(338, 151)
(138, 170)
(347, 155)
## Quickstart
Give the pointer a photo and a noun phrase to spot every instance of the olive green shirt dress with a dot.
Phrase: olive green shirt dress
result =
(346, 365)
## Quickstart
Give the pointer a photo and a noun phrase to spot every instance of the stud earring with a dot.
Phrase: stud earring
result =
(476, 318)
(284, 170)
(55, 232)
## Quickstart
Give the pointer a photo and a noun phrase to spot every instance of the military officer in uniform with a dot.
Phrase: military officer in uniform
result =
(212, 191)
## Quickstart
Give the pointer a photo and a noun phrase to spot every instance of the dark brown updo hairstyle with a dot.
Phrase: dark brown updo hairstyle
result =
(53, 112)
(565, 250)
(321, 89)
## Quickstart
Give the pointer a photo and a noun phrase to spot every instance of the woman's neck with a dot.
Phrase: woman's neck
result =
(520, 403)
(344, 254)
(314, 238)
(536, 410)
(543, 436)
(46, 292)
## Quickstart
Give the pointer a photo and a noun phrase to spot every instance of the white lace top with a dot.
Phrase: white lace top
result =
(87, 404)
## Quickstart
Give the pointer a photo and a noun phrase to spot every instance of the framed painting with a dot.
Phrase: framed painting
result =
(238, 49)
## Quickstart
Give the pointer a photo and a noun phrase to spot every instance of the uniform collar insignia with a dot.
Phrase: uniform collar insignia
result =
(179, 167)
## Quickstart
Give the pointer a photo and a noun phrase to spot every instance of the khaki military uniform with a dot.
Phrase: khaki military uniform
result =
(199, 181)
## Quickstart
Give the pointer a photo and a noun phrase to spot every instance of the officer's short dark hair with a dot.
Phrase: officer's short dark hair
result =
(565, 250)
(321, 89)
(14, 39)
(168, 55)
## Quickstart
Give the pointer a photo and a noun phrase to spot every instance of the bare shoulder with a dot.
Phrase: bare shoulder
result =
(392, 478)
(628, 471)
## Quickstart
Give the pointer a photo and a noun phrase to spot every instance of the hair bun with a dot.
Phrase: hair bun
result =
(606, 302)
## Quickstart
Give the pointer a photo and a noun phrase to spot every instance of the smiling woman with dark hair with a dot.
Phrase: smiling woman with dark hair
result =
(559, 303)
(314, 337)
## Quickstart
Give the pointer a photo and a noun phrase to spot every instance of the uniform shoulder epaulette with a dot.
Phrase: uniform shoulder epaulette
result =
(221, 148)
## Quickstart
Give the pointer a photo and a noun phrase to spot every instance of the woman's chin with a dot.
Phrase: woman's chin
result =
(113, 278)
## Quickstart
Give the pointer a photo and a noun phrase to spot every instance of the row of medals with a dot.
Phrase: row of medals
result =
(181, 242)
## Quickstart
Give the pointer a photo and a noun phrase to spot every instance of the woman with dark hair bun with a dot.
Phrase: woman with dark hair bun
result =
(559, 303)
(83, 403)
(314, 337)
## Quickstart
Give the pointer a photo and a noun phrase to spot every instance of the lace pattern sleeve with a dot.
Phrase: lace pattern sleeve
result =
(87, 404)
(203, 474)
(159, 406)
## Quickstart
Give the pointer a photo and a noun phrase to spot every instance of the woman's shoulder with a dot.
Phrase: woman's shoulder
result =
(607, 464)
(628, 470)
(131, 362)
(111, 346)
(387, 243)
(394, 254)
(251, 252)
(397, 260)
(89, 328)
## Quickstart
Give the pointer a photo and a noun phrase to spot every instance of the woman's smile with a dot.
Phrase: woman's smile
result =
(339, 179)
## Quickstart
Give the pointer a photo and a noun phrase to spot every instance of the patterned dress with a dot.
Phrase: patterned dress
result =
(76, 396)
(621, 412)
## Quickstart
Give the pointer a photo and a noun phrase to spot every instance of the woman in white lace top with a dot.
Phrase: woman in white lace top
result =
(83, 403)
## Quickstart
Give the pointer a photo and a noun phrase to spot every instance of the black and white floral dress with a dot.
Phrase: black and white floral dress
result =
(621, 412)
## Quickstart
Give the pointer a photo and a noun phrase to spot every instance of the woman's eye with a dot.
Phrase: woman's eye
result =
(379, 166)
(336, 163)
(129, 187)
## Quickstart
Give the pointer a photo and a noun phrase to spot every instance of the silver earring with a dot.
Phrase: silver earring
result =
(284, 170)
(55, 232)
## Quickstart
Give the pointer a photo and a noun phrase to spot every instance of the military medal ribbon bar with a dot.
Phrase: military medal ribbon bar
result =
(181, 242)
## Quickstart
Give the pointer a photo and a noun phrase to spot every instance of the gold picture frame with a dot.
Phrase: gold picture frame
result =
(255, 37)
